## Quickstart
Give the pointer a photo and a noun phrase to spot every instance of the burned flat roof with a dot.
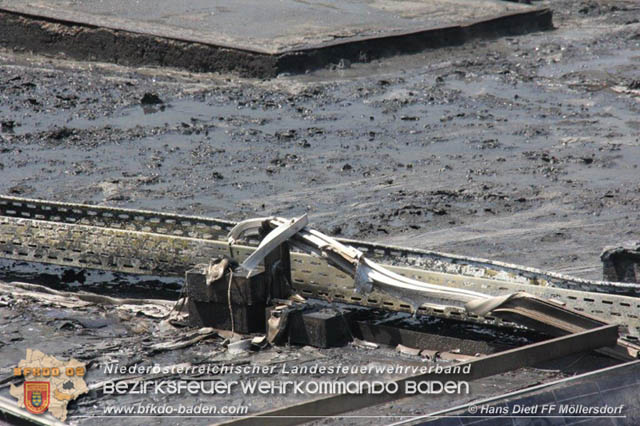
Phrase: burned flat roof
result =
(275, 28)
(267, 26)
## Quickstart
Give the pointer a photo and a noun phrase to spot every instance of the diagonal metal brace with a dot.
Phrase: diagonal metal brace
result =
(276, 237)
(549, 317)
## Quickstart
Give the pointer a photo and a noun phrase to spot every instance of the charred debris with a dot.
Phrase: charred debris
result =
(275, 282)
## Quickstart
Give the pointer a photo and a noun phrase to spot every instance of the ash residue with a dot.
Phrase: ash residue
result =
(523, 149)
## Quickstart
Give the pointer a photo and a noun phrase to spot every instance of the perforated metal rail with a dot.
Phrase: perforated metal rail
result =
(149, 243)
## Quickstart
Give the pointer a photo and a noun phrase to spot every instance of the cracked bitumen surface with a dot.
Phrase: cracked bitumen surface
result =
(521, 149)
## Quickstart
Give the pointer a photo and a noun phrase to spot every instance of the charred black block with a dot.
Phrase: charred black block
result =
(622, 263)
(244, 290)
(246, 318)
(209, 303)
(323, 328)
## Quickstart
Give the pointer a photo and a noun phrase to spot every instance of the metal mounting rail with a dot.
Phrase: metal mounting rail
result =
(149, 243)
(485, 366)
(16, 415)
(217, 229)
(612, 382)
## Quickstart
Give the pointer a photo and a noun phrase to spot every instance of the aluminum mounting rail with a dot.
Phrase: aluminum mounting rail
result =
(485, 366)
(352, 261)
(522, 307)
(216, 229)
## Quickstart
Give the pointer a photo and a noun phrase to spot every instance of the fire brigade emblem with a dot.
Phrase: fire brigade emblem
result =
(36, 396)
